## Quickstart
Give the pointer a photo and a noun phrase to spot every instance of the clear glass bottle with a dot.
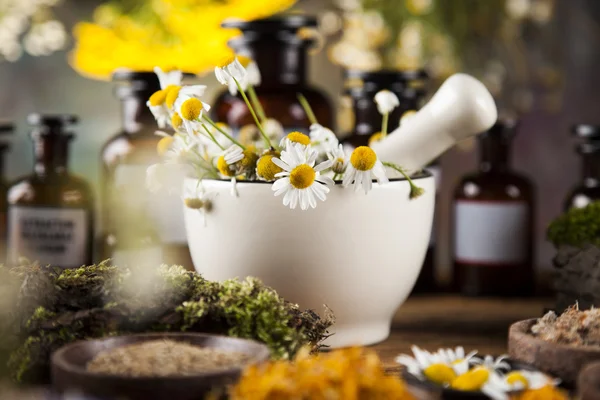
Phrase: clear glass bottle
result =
(51, 212)
(6, 128)
(138, 226)
(588, 190)
(282, 58)
(493, 223)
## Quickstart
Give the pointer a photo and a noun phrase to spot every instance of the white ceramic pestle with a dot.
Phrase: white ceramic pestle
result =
(462, 107)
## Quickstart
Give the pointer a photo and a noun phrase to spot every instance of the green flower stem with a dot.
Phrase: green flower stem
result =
(415, 191)
(384, 125)
(307, 109)
(228, 136)
(256, 103)
(210, 135)
(258, 124)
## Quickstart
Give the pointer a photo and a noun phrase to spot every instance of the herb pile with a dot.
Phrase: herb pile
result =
(54, 306)
(576, 236)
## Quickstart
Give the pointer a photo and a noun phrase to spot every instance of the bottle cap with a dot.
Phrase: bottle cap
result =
(6, 127)
(52, 120)
(586, 131)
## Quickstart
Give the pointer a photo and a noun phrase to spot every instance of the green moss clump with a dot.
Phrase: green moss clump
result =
(577, 227)
(55, 307)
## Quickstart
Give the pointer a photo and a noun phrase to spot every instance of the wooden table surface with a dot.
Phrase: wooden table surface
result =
(448, 321)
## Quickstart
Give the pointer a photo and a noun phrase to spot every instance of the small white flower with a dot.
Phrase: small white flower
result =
(323, 139)
(166, 79)
(364, 166)
(530, 380)
(273, 129)
(294, 138)
(174, 149)
(232, 70)
(254, 77)
(233, 154)
(386, 101)
(340, 162)
(190, 109)
(301, 181)
(161, 114)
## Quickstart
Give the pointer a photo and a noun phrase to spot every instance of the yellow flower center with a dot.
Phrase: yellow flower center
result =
(164, 144)
(298, 137)
(472, 380)
(249, 160)
(340, 160)
(158, 98)
(193, 203)
(547, 392)
(266, 169)
(376, 137)
(176, 121)
(172, 93)
(225, 61)
(302, 176)
(245, 61)
(223, 167)
(517, 377)
(363, 158)
(191, 109)
(439, 373)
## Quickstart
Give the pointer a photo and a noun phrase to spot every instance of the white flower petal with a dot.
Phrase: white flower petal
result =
(386, 101)
(294, 201)
(281, 164)
(349, 176)
(326, 180)
(324, 165)
(303, 199)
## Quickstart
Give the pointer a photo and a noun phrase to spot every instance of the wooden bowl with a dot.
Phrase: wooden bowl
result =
(563, 361)
(588, 383)
(69, 374)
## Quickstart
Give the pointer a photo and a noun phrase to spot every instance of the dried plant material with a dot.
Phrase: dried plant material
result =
(354, 373)
(161, 358)
(573, 327)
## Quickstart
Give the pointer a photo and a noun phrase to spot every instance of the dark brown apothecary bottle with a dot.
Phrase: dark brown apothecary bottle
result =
(138, 226)
(282, 57)
(494, 223)
(5, 129)
(588, 190)
(50, 214)
(409, 87)
(362, 88)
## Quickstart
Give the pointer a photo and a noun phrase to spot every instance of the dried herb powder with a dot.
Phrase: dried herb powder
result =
(162, 358)
(573, 327)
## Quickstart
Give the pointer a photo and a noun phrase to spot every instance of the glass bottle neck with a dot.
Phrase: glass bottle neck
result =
(591, 169)
(51, 155)
(136, 117)
(494, 154)
(280, 63)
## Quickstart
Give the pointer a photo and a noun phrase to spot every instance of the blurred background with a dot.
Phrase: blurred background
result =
(538, 57)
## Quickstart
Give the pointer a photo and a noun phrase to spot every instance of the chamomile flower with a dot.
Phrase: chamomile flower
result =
(482, 379)
(266, 169)
(190, 109)
(294, 138)
(339, 160)
(199, 199)
(428, 365)
(301, 181)
(364, 166)
(273, 129)
(386, 101)
(159, 111)
(323, 139)
(231, 70)
(168, 78)
(494, 364)
(529, 380)
(457, 358)
(252, 75)
(173, 148)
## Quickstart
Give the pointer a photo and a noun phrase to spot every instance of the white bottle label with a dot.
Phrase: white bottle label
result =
(52, 236)
(493, 233)
(165, 210)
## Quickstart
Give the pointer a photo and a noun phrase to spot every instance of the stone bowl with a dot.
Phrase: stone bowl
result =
(563, 361)
(359, 254)
(588, 383)
(69, 374)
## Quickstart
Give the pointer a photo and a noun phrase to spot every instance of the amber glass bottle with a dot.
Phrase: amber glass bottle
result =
(5, 129)
(362, 87)
(493, 223)
(51, 212)
(138, 226)
(588, 190)
(282, 57)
